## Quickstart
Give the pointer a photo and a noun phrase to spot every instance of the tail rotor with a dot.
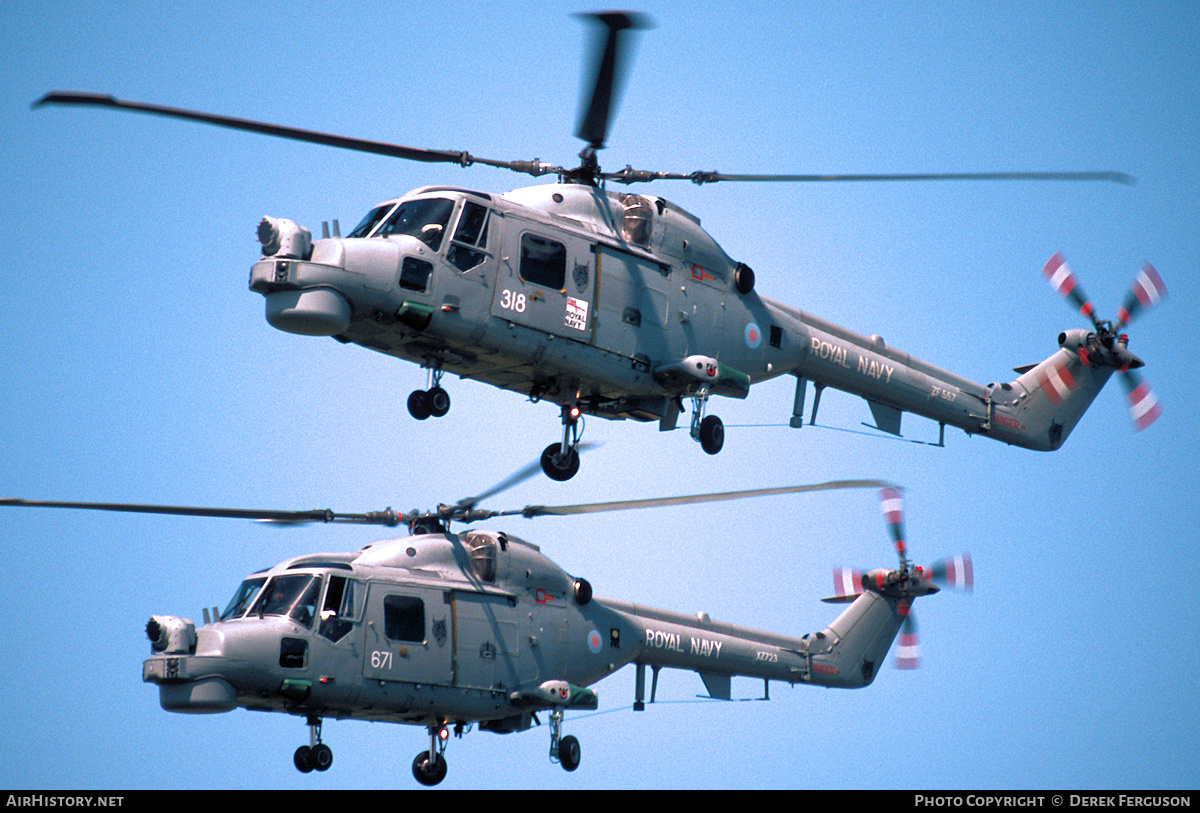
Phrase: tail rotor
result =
(1108, 346)
(905, 583)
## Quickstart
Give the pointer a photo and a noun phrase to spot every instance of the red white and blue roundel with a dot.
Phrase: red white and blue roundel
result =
(594, 641)
(753, 336)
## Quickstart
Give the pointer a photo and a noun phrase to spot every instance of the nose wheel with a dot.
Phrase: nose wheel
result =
(560, 461)
(316, 756)
(429, 767)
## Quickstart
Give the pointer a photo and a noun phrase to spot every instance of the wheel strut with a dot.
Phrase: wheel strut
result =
(316, 755)
(563, 750)
(560, 461)
(708, 430)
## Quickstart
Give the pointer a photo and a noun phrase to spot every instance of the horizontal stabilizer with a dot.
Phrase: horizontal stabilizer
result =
(720, 687)
(887, 418)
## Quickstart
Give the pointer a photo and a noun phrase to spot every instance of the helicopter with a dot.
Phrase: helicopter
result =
(621, 306)
(452, 630)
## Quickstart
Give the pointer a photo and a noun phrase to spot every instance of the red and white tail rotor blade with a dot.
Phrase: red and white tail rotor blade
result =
(1058, 272)
(1147, 290)
(847, 582)
(908, 647)
(1057, 382)
(891, 501)
(1144, 408)
(956, 572)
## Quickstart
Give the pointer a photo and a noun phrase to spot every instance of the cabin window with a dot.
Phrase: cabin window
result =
(425, 219)
(294, 596)
(368, 223)
(543, 261)
(242, 598)
(471, 233)
(404, 618)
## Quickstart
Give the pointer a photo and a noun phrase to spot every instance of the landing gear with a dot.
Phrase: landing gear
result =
(707, 429)
(563, 750)
(317, 756)
(560, 461)
(429, 767)
(433, 401)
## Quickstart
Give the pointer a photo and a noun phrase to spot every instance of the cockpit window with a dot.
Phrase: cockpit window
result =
(425, 219)
(242, 598)
(293, 595)
(372, 219)
(470, 235)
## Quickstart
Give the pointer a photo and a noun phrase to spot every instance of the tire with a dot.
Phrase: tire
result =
(320, 756)
(439, 402)
(302, 759)
(712, 434)
(555, 467)
(418, 404)
(427, 774)
(569, 753)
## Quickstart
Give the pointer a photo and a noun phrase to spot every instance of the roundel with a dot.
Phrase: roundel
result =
(753, 336)
(593, 641)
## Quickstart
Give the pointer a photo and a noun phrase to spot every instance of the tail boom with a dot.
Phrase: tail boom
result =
(1035, 411)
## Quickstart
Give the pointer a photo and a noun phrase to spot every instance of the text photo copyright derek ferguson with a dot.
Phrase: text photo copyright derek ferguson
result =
(991, 800)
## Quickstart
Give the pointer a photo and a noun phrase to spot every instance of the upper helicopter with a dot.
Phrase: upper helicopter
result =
(620, 305)
(450, 631)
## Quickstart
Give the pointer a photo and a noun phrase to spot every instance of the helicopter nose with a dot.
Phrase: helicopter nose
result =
(183, 667)
(300, 280)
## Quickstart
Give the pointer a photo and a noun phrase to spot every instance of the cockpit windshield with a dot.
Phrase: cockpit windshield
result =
(425, 219)
(293, 595)
(372, 219)
(242, 598)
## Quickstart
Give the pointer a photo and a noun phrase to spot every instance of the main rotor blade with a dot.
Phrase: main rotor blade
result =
(630, 175)
(385, 517)
(464, 159)
(517, 477)
(608, 71)
(531, 511)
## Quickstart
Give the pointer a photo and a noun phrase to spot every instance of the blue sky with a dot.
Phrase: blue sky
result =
(139, 368)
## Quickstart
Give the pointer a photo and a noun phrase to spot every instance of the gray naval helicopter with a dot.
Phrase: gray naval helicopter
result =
(621, 305)
(479, 628)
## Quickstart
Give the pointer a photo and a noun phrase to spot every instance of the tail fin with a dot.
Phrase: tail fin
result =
(856, 644)
(1040, 408)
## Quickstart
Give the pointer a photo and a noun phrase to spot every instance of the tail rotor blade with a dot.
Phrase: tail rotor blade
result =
(956, 572)
(1144, 408)
(908, 648)
(847, 582)
(892, 503)
(1057, 382)
(1062, 279)
(1147, 290)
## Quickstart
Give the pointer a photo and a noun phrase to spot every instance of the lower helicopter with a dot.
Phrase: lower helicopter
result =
(448, 630)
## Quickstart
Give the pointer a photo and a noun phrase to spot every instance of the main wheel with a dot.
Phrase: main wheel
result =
(439, 402)
(320, 756)
(427, 773)
(302, 759)
(712, 434)
(557, 466)
(569, 753)
(418, 404)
